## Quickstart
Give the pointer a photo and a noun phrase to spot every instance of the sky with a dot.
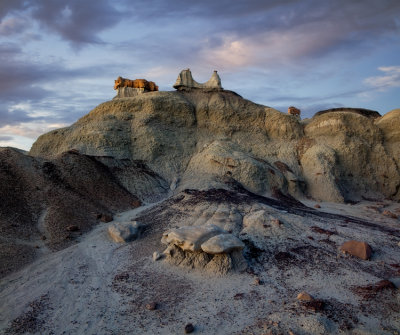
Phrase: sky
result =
(59, 59)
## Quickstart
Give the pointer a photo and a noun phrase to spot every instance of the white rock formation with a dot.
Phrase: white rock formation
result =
(223, 243)
(124, 231)
(185, 80)
(190, 238)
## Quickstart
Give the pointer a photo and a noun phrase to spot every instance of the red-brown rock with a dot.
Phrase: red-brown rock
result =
(356, 248)
(294, 111)
(137, 83)
(389, 214)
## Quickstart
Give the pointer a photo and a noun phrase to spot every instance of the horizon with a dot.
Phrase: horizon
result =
(59, 60)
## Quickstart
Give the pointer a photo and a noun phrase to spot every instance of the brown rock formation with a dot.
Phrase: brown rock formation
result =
(356, 248)
(294, 111)
(137, 83)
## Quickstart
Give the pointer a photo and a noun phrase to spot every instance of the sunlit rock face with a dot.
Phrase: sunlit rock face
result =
(196, 138)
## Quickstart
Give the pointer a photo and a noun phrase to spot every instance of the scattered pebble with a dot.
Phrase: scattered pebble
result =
(257, 281)
(151, 306)
(304, 296)
(189, 328)
(317, 206)
(43, 238)
(389, 214)
(156, 256)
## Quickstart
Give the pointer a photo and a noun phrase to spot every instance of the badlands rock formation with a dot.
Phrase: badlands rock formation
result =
(186, 81)
(194, 139)
(229, 186)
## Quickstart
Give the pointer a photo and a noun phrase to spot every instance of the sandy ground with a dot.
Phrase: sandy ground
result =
(100, 287)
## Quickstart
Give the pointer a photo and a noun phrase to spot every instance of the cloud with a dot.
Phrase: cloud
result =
(78, 22)
(390, 78)
(13, 25)
(6, 138)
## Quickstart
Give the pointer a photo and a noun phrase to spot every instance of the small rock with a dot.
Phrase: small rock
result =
(72, 227)
(304, 296)
(156, 256)
(276, 222)
(43, 238)
(389, 214)
(136, 203)
(317, 206)
(257, 281)
(356, 248)
(189, 328)
(106, 218)
(151, 306)
(124, 231)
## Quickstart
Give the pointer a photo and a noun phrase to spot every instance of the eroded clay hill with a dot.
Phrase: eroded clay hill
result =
(228, 236)
(195, 138)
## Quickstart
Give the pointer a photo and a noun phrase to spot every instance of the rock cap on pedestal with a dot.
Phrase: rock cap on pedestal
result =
(191, 237)
(223, 243)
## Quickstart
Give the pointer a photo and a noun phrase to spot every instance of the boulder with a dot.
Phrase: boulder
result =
(304, 296)
(124, 231)
(294, 111)
(356, 248)
(223, 243)
(191, 238)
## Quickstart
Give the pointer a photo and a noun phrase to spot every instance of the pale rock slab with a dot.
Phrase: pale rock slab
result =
(223, 243)
(191, 238)
(125, 231)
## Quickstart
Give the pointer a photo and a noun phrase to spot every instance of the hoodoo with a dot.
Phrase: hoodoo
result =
(185, 80)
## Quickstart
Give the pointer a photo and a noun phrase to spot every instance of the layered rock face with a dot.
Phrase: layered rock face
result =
(198, 138)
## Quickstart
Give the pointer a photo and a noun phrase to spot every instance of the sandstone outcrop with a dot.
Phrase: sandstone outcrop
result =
(185, 81)
(137, 83)
(362, 111)
(206, 247)
(197, 138)
(190, 238)
(222, 244)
